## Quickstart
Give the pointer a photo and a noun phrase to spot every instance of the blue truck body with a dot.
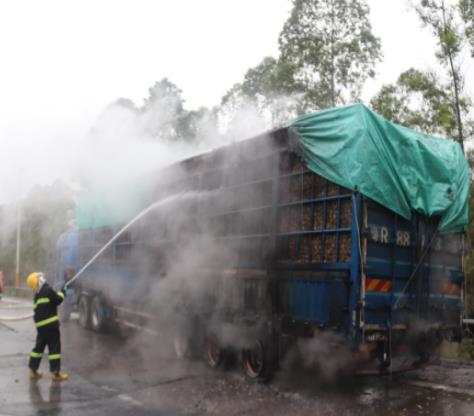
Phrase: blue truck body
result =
(67, 253)
(308, 256)
(67, 260)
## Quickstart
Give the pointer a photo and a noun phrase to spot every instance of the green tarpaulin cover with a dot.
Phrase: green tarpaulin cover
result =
(109, 204)
(400, 168)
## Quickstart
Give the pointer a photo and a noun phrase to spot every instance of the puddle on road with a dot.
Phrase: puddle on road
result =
(370, 396)
(46, 400)
(138, 369)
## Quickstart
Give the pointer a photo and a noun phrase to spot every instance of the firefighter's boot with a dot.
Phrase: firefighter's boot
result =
(35, 375)
(59, 376)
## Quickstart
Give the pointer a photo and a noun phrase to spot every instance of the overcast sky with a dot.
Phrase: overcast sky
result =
(63, 61)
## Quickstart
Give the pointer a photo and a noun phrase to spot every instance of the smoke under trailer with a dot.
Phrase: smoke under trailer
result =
(253, 253)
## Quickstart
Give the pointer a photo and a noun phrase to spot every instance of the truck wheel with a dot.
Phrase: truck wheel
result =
(182, 347)
(84, 312)
(383, 358)
(98, 320)
(65, 314)
(256, 361)
(214, 353)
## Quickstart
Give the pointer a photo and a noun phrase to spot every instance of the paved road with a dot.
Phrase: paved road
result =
(138, 375)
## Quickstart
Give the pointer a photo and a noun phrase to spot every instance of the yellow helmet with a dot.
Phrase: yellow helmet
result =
(33, 280)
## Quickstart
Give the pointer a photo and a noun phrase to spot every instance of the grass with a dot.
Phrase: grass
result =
(463, 350)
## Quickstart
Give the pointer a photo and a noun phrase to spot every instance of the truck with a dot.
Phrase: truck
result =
(65, 266)
(339, 228)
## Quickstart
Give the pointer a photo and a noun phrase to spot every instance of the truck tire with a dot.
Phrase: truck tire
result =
(382, 357)
(97, 317)
(182, 347)
(215, 355)
(64, 314)
(84, 312)
(257, 361)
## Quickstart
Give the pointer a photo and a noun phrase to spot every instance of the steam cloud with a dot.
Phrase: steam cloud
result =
(180, 283)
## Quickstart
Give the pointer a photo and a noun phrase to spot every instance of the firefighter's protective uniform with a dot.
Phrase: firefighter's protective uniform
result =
(46, 320)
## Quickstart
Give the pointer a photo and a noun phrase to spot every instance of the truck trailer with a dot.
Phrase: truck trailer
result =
(339, 228)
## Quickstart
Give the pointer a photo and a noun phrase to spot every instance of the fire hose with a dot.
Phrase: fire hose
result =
(79, 273)
(16, 318)
(117, 235)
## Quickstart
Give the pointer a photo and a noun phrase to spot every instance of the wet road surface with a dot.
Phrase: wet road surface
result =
(112, 375)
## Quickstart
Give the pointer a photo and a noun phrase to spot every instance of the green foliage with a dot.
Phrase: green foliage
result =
(327, 51)
(164, 116)
(161, 117)
(270, 78)
(443, 20)
(262, 79)
(419, 101)
(268, 87)
(125, 103)
(467, 13)
(469, 258)
(331, 49)
(46, 212)
(191, 124)
(162, 109)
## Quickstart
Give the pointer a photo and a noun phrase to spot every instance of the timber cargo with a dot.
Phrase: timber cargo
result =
(340, 223)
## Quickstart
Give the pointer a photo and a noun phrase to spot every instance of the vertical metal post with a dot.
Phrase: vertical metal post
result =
(417, 255)
(18, 245)
(355, 302)
(273, 281)
(275, 191)
(322, 254)
(338, 223)
(312, 223)
(393, 248)
(274, 216)
(464, 292)
(429, 261)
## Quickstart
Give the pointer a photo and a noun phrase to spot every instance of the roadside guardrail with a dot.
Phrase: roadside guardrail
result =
(19, 292)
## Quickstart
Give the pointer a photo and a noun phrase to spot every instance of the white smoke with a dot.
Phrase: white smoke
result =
(127, 140)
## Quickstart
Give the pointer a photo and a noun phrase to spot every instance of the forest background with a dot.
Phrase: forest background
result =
(327, 53)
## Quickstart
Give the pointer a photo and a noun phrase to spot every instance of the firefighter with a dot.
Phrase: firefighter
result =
(46, 320)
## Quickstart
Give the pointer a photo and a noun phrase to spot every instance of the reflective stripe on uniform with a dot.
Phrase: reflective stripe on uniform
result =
(47, 321)
(54, 356)
(36, 355)
(60, 294)
(40, 301)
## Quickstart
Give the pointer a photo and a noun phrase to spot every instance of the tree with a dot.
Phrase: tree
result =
(120, 119)
(467, 13)
(269, 87)
(46, 212)
(417, 100)
(161, 110)
(195, 124)
(442, 19)
(125, 103)
(331, 49)
(268, 79)
(164, 116)
(161, 117)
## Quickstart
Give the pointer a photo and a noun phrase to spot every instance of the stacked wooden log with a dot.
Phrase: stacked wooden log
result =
(303, 186)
